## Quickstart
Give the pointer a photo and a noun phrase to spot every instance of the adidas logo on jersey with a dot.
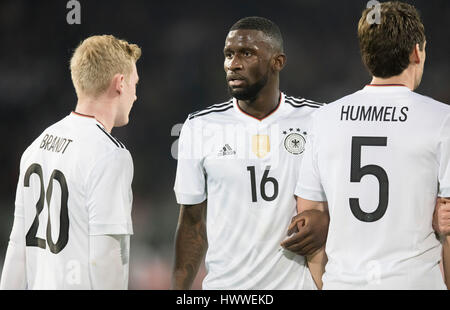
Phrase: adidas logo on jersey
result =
(226, 150)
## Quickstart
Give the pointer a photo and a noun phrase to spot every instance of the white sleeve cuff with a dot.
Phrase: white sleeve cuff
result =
(444, 192)
(309, 194)
(188, 199)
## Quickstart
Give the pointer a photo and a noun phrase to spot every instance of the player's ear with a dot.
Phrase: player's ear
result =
(118, 82)
(278, 62)
(415, 56)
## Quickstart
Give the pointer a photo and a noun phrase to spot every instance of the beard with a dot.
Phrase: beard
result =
(249, 92)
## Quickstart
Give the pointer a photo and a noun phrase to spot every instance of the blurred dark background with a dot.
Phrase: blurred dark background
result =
(181, 71)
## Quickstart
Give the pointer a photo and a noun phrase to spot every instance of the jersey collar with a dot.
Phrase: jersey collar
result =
(275, 111)
(386, 88)
(85, 116)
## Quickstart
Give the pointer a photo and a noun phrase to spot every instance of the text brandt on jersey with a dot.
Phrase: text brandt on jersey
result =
(374, 114)
(55, 144)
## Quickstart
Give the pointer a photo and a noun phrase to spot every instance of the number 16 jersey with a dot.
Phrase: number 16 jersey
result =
(247, 169)
(380, 157)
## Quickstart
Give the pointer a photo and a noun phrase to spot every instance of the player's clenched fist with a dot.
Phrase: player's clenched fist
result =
(441, 218)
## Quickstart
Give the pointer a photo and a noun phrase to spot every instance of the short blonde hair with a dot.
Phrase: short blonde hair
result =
(97, 59)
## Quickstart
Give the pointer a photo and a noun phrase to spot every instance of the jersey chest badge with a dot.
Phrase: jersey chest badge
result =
(260, 145)
(294, 141)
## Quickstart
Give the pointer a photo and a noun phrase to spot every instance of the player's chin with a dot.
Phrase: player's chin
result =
(239, 93)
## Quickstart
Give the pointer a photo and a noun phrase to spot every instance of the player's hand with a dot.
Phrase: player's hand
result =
(310, 229)
(441, 217)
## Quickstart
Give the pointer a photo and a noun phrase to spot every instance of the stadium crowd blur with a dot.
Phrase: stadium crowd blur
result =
(181, 71)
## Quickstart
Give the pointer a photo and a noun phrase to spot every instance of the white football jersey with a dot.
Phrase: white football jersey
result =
(247, 170)
(380, 157)
(75, 182)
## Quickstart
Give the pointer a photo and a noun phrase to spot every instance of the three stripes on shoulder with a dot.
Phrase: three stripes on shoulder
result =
(298, 103)
(221, 107)
(114, 140)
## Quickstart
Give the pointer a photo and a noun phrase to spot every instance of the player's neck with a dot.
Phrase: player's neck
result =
(406, 78)
(264, 103)
(100, 108)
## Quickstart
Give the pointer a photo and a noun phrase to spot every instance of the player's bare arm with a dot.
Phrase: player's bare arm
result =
(310, 229)
(441, 224)
(446, 260)
(441, 217)
(317, 259)
(190, 245)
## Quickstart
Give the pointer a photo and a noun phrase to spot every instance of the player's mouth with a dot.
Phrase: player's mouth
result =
(235, 82)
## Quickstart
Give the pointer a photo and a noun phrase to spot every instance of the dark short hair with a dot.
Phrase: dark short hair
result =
(265, 25)
(386, 47)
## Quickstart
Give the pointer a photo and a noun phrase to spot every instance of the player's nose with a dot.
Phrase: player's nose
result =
(235, 64)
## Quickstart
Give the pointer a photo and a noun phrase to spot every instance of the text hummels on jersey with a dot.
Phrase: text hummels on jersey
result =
(373, 113)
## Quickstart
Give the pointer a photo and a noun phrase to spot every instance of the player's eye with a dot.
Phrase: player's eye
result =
(247, 54)
(228, 55)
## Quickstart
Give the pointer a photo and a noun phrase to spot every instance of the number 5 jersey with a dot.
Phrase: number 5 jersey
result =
(380, 157)
(246, 169)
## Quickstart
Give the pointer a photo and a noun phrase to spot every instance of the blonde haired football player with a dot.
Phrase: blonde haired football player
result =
(72, 220)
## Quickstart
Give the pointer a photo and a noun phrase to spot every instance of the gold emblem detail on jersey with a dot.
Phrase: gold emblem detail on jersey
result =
(260, 145)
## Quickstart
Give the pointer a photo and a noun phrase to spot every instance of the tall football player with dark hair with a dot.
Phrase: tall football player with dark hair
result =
(379, 159)
(236, 175)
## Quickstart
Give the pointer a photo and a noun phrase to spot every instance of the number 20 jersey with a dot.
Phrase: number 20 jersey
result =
(247, 170)
(380, 157)
(75, 182)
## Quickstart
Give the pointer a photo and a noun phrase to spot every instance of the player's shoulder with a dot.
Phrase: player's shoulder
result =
(431, 104)
(86, 137)
(302, 106)
(106, 140)
(98, 148)
(103, 148)
(90, 136)
(213, 112)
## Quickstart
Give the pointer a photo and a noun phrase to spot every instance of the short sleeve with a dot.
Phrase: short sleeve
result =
(309, 185)
(444, 159)
(190, 180)
(109, 195)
